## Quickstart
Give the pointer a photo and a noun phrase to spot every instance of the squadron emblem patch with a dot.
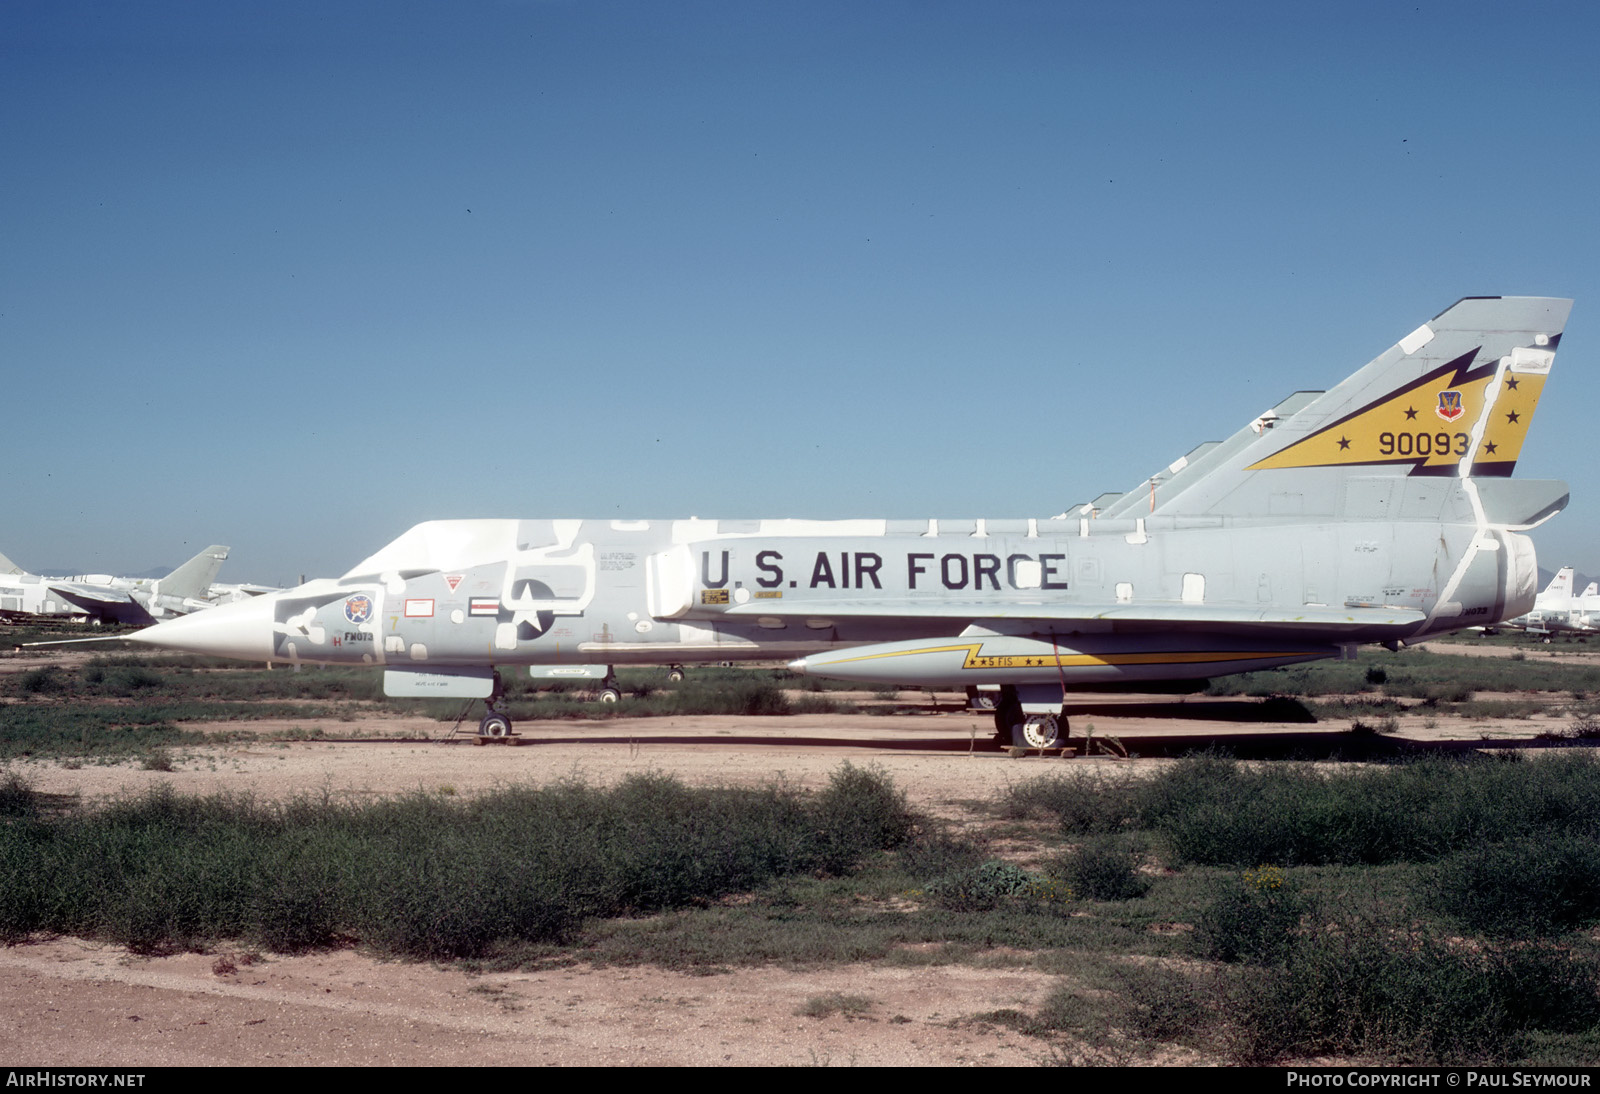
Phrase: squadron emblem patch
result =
(358, 609)
(1449, 407)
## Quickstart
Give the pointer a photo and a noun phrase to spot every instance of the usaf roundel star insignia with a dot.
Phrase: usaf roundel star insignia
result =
(358, 609)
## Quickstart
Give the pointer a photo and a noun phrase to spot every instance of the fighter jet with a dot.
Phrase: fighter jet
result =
(1378, 511)
(1556, 610)
(101, 598)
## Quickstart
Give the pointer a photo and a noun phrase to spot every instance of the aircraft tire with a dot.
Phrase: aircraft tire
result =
(496, 726)
(609, 695)
(674, 675)
(1039, 731)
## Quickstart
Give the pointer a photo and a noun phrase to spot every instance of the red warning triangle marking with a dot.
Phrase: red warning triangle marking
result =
(453, 580)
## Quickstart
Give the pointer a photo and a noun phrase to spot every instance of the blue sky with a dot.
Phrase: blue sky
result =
(295, 276)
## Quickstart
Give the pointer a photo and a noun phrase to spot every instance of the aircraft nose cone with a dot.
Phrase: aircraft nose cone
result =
(242, 630)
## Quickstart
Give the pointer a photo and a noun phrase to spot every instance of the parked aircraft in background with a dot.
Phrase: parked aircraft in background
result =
(101, 598)
(1556, 610)
(1379, 511)
(217, 593)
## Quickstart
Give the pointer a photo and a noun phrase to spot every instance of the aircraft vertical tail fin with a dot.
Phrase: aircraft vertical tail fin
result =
(1452, 399)
(9, 567)
(193, 579)
(1559, 591)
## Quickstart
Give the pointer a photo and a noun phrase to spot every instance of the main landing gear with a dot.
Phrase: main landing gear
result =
(610, 691)
(1016, 728)
(496, 725)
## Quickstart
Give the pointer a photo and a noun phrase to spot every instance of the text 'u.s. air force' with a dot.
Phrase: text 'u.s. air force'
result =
(914, 570)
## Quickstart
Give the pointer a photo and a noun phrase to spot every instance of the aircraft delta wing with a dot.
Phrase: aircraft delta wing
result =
(1378, 511)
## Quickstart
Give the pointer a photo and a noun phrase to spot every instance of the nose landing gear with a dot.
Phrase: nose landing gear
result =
(610, 690)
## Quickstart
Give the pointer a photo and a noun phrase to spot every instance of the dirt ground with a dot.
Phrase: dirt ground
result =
(71, 1002)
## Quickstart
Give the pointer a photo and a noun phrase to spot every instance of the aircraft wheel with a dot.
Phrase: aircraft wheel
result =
(494, 725)
(610, 695)
(674, 674)
(1039, 731)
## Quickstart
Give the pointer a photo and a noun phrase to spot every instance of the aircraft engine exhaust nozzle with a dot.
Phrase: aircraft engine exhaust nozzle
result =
(1522, 576)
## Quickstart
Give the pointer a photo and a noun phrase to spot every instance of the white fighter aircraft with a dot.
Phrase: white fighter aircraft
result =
(1557, 610)
(102, 598)
(1379, 511)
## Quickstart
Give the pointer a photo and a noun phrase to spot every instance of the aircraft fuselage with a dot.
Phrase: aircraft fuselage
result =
(512, 593)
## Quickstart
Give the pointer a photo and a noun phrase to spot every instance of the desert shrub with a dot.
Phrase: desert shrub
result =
(1378, 988)
(157, 759)
(1163, 1003)
(44, 680)
(22, 910)
(826, 1006)
(427, 876)
(18, 798)
(990, 884)
(810, 702)
(936, 854)
(1520, 888)
(1252, 918)
(1106, 868)
(1212, 810)
(860, 810)
(1584, 726)
(1084, 801)
(128, 679)
(745, 694)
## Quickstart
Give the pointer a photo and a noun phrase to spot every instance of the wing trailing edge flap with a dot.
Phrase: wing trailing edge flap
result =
(1028, 618)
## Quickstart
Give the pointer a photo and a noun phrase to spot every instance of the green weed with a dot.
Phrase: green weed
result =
(825, 1006)
(1105, 868)
(425, 875)
(1529, 887)
(1253, 917)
